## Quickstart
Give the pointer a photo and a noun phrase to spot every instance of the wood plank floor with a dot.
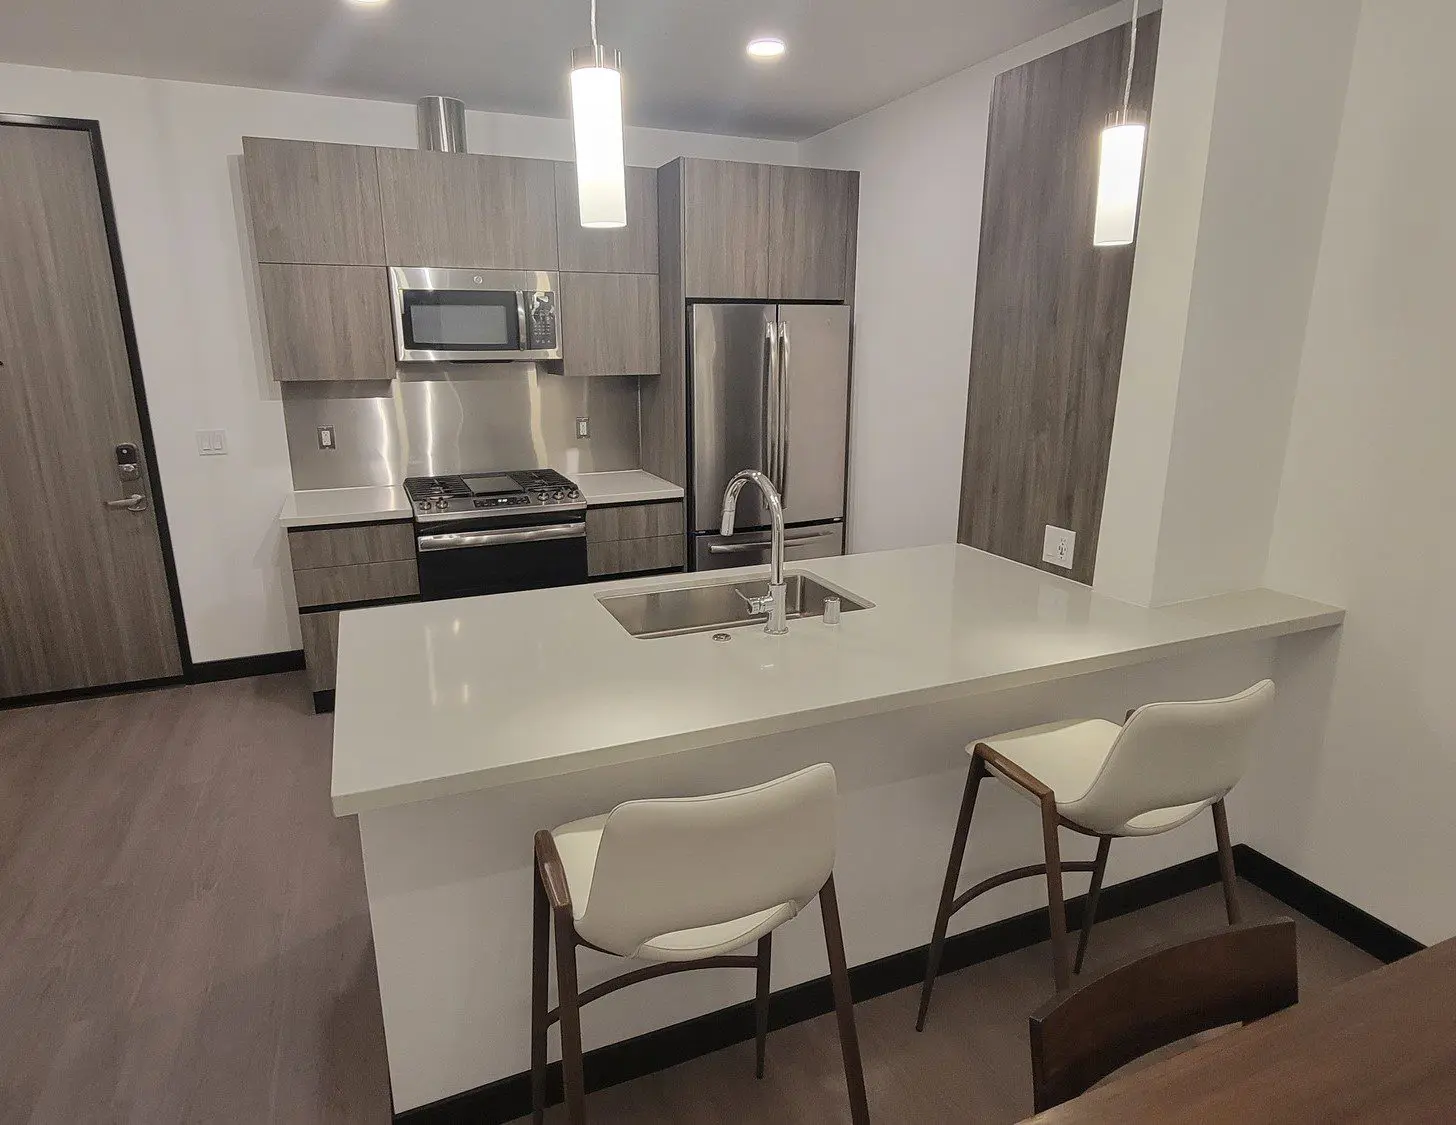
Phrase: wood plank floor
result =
(184, 937)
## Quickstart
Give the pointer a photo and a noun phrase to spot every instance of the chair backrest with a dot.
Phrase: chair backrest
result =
(1172, 754)
(678, 863)
(1236, 975)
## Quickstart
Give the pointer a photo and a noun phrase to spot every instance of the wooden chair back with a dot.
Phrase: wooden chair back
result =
(1235, 975)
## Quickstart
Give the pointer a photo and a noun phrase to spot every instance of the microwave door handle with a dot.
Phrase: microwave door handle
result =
(783, 482)
(523, 335)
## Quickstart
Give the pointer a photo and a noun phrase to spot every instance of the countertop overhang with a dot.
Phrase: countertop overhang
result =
(441, 698)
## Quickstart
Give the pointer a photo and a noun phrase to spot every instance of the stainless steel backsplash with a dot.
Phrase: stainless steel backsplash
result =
(457, 418)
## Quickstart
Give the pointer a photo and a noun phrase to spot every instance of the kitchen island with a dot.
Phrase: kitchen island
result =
(464, 726)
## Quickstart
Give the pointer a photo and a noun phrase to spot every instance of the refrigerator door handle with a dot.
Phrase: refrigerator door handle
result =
(770, 401)
(783, 481)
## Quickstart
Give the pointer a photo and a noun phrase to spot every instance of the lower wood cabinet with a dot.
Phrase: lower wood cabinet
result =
(320, 647)
(635, 538)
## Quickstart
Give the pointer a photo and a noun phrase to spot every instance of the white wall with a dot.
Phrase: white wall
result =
(922, 162)
(1365, 507)
(171, 149)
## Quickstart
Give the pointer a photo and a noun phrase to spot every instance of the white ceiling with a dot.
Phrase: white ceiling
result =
(684, 59)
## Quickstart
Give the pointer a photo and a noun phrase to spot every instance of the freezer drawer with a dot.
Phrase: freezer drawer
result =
(818, 541)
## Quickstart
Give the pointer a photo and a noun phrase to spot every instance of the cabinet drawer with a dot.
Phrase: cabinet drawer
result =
(368, 582)
(634, 521)
(320, 648)
(629, 556)
(345, 546)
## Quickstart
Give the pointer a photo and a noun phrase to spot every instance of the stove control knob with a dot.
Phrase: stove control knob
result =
(558, 495)
(573, 494)
(424, 505)
(543, 496)
(442, 503)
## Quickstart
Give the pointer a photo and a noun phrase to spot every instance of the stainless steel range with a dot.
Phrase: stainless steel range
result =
(491, 533)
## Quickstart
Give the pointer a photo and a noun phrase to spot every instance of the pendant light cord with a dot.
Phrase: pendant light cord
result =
(594, 25)
(1132, 54)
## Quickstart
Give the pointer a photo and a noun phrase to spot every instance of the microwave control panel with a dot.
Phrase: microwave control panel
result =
(541, 322)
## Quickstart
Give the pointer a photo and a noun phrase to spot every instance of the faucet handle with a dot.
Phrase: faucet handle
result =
(763, 604)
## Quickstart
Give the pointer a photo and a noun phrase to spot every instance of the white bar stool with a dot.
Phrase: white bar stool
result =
(682, 882)
(1164, 766)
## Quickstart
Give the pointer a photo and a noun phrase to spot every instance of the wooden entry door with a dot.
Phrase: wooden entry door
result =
(84, 594)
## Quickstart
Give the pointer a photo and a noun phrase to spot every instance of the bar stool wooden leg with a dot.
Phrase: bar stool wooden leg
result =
(1056, 905)
(1226, 863)
(947, 892)
(540, 969)
(1099, 869)
(859, 1110)
(571, 1067)
(760, 1001)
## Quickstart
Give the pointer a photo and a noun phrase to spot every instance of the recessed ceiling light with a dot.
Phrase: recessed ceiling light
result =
(766, 48)
(369, 3)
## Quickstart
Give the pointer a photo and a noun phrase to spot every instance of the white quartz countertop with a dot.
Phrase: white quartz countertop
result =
(628, 487)
(322, 506)
(441, 698)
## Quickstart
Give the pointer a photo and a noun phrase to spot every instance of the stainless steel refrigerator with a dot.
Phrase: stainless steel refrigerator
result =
(769, 386)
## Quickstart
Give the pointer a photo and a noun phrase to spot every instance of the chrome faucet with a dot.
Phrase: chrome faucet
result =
(776, 603)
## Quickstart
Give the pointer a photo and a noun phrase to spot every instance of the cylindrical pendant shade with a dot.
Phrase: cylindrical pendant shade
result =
(596, 112)
(1119, 183)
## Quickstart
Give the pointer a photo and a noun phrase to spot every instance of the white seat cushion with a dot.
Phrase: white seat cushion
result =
(577, 843)
(1066, 757)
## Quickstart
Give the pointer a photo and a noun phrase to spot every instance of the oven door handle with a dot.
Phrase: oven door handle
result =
(458, 540)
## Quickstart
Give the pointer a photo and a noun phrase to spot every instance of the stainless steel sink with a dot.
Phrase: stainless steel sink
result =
(703, 607)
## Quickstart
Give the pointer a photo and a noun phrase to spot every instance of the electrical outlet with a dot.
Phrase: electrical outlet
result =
(1059, 546)
(583, 427)
(326, 438)
(211, 443)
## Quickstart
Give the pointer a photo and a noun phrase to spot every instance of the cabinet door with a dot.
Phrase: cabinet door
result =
(313, 203)
(327, 322)
(452, 209)
(725, 217)
(610, 324)
(813, 221)
(320, 647)
(630, 249)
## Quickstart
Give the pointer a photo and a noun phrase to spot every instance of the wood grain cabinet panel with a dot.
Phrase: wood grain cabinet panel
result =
(632, 556)
(327, 322)
(344, 546)
(813, 223)
(725, 229)
(471, 212)
(366, 582)
(320, 647)
(609, 324)
(630, 249)
(313, 203)
(635, 521)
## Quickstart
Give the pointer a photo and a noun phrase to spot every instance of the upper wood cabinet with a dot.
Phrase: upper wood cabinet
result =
(313, 203)
(813, 222)
(458, 210)
(609, 324)
(631, 249)
(327, 322)
(725, 228)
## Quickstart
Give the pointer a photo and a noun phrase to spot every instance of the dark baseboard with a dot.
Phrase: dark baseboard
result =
(509, 1098)
(240, 667)
(323, 702)
(73, 694)
(1362, 930)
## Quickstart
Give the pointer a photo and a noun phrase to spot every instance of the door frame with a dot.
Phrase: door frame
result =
(144, 419)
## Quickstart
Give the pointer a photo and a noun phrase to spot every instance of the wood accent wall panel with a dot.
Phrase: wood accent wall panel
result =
(313, 203)
(632, 249)
(610, 324)
(813, 226)
(635, 521)
(1051, 309)
(344, 546)
(725, 207)
(664, 400)
(366, 582)
(320, 647)
(453, 209)
(327, 322)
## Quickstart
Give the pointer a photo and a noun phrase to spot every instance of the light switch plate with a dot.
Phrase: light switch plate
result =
(1059, 546)
(211, 443)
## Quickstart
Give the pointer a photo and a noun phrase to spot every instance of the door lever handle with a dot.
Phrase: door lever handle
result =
(136, 502)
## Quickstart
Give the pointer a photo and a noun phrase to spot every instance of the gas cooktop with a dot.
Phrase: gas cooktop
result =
(481, 494)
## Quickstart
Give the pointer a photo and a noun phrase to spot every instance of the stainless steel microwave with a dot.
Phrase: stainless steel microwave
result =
(474, 316)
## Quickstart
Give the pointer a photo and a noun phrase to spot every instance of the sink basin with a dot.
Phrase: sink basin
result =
(703, 607)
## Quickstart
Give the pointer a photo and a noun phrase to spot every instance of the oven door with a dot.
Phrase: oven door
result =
(475, 316)
(497, 560)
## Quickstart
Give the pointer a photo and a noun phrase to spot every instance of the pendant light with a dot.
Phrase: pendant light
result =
(1119, 179)
(596, 114)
